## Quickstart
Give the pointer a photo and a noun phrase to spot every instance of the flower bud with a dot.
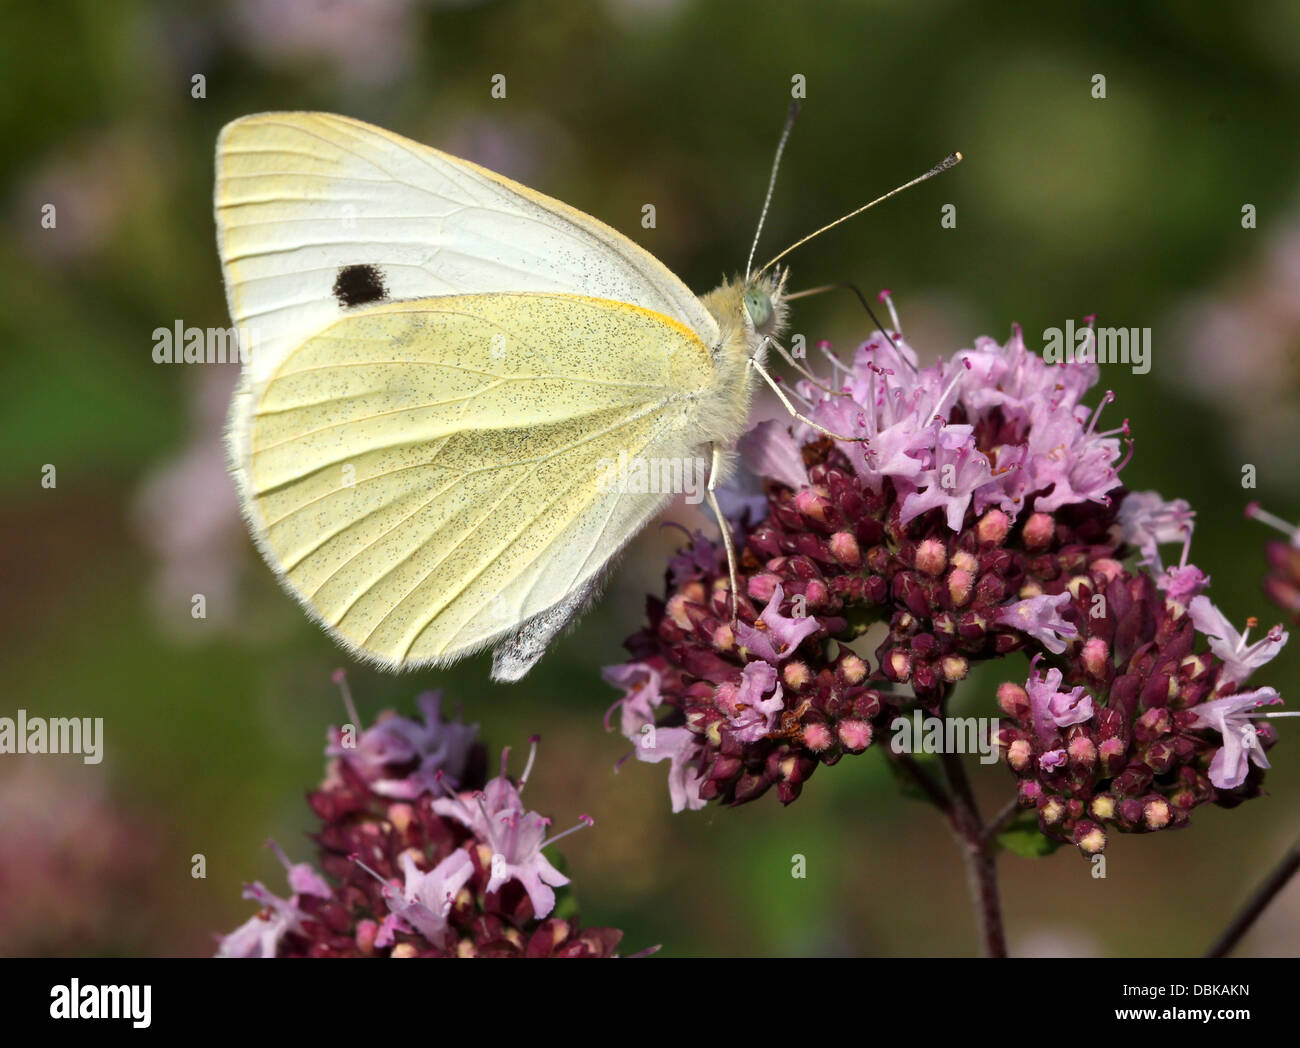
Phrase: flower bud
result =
(1102, 807)
(1013, 700)
(1156, 813)
(1079, 584)
(960, 585)
(844, 548)
(1112, 753)
(676, 611)
(365, 936)
(1082, 752)
(812, 504)
(896, 665)
(972, 626)
(762, 586)
(965, 561)
(852, 668)
(796, 674)
(817, 737)
(400, 816)
(1089, 838)
(931, 557)
(991, 589)
(953, 668)
(1152, 724)
(1107, 567)
(1039, 531)
(1095, 656)
(1132, 781)
(1019, 755)
(724, 637)
(854, 735)
(993, 527)
(1159, 756)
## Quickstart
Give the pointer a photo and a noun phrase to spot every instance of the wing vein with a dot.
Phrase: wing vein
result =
(460, 542)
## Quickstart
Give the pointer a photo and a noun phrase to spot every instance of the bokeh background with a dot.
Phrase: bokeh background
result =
(1127, 207)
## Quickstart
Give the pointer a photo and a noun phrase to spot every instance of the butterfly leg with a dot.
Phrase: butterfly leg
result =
(714, 470)
(785, 355)
(776, 388)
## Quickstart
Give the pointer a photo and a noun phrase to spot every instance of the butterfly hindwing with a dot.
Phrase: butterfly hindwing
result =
(427, 477)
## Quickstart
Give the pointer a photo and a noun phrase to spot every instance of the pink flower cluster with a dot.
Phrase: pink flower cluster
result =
(422, 858)
(980, 512)
(988, 428)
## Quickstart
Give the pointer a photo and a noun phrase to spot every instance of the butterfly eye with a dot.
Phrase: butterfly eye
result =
(759, 308)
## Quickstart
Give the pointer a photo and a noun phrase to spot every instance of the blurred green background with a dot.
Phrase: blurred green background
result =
(1128, 207)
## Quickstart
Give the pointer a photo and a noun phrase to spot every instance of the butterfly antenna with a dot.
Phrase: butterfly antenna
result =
(846, 286)
(951, 160)
(771, 183)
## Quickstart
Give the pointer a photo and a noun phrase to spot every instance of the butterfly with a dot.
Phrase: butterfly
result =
(443, 363)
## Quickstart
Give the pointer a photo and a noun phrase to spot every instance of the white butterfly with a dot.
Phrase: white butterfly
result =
(442, 360)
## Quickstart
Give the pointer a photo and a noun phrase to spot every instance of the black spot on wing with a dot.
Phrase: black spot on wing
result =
(358, 285)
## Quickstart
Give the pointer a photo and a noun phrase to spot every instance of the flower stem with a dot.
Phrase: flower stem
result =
(932, 790)
(1001, 821)
(981, 863)
(975, 840)
(1257, 903)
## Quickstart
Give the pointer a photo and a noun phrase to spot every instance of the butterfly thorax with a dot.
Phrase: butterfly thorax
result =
(748, 313)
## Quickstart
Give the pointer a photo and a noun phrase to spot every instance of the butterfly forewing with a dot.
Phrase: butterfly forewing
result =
(302, 198)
